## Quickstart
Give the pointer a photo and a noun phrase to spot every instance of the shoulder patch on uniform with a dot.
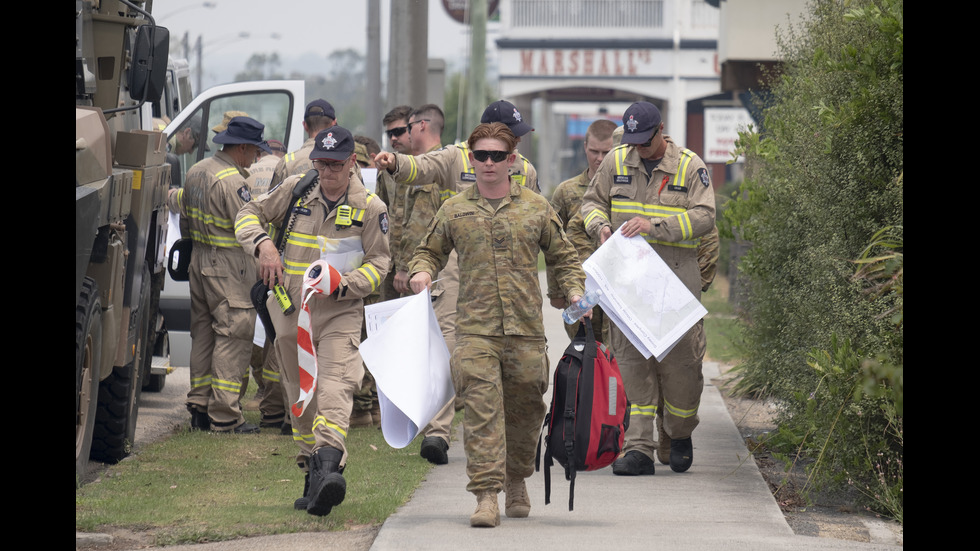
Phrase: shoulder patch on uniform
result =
(623, 179)
(383, 222)
(467, 176)
(703, 174)
(244, 194)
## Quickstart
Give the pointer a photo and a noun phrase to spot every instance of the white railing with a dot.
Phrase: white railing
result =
(587, 14)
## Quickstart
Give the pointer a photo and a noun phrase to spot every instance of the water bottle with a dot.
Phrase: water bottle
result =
(578, 309)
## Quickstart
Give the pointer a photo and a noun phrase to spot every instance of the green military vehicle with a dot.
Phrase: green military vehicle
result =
(121, 182)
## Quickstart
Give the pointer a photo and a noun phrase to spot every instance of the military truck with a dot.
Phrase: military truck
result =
(121, 181)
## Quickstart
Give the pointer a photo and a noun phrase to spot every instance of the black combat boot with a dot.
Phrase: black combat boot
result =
(199, 419)
(327, 485)
(301, 503)
(681, 454)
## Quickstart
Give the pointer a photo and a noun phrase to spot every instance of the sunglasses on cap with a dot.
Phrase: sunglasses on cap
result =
(395, 132)
(482, 155)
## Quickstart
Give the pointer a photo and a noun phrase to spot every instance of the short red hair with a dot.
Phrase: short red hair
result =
(493, 131)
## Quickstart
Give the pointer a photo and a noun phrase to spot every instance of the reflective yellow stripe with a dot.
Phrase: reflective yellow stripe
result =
(357, 215)
(296, 268)
(647, 411)
(676, 411)
(221, 175)
(685, 223)
(270, 375)
(658, 211)
(246, 220)
(198, 382)
(180, 198)
(290, 157)
(302, 240)
(372, 274)
(592, 215)
(218, 222)
(305, 438)
(446, 194)
(464, 153)
(413, 170)
(214, 240)
(620, 156)
(644, 209)
(230, 386)
(680, 179)
(321, 420)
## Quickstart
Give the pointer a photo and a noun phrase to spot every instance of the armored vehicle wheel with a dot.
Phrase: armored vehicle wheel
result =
(88, 354)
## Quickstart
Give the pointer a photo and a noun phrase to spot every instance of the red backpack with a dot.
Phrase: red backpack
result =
(589, 411)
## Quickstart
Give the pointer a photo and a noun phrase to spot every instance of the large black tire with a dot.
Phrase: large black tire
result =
(112, 440)
(155, 383)
(119, 394)
(88, 354)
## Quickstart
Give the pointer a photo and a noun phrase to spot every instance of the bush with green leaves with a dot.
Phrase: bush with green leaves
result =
(823, 176)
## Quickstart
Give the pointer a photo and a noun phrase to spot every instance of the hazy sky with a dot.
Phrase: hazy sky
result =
(308, 30)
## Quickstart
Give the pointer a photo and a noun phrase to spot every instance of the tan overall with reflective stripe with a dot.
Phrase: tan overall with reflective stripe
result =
(681, 209)
(336, 320)
(221, 275)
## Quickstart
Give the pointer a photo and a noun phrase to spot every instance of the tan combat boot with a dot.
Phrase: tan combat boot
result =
(517, 504)
(360, 418)
(487, 514)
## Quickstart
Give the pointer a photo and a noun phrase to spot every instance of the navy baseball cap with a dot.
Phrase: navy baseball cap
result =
(243, 130)
(640, 121)
(335, 143)
(505, 112)
(320, 107)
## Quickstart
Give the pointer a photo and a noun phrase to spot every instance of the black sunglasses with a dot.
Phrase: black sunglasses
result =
(416, 122)
(395, 132)
(482, 155)
(650, 141)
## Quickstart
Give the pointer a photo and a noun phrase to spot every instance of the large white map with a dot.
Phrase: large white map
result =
(407, 355)
(642, 295)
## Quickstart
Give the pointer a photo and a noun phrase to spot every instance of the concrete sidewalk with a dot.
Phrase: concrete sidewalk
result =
(722, 502)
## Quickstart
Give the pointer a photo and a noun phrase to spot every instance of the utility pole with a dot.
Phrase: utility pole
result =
(476, 82)
(408, 53)
(372, 100)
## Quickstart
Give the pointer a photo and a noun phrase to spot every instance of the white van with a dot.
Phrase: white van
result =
(279, 105)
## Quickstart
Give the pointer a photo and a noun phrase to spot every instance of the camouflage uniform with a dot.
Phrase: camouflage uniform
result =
(449, 171)
(421, 202)
(336, 321)
(389, 193)
(221, 275)
(680, 204)
(567, 202)
(499, 365)
(708, 258)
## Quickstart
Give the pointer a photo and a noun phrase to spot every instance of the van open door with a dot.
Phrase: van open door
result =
(279, 105)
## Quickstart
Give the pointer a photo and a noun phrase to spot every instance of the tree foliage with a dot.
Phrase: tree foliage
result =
(343, 86)
(822, 178)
